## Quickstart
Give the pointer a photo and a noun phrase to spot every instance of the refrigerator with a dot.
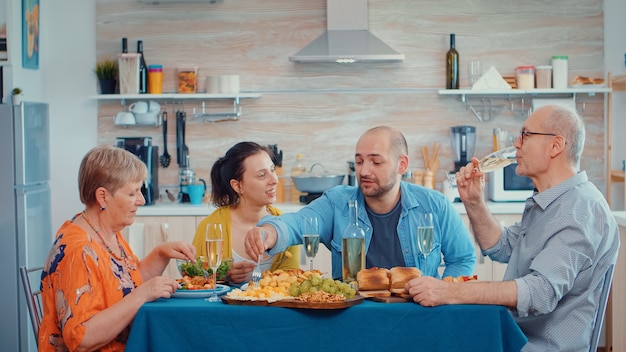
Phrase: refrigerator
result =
(26, 232)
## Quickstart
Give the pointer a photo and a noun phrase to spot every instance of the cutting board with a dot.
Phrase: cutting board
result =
(294, 303)
(391, 299)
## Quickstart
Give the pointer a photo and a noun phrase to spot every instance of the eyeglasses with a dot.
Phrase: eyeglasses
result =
(523, 134)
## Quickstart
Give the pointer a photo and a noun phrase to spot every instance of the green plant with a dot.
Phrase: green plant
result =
(106, 69)
(16, 91)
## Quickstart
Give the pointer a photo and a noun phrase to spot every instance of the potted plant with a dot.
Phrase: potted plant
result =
(106, 71)
(16, 95)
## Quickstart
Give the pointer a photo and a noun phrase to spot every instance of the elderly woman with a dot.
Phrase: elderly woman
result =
(243, 187)
(92, 283)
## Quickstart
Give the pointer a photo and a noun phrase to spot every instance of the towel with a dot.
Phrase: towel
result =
(491, 79)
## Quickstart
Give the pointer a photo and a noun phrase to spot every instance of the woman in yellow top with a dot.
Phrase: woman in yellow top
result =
(92, 284)
(243, 187)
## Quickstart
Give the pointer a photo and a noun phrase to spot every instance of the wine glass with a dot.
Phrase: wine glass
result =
(311, 239)
(425, 236)
(214, 242)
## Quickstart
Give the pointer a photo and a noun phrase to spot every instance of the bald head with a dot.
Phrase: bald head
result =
(394, 138)
(565, 122)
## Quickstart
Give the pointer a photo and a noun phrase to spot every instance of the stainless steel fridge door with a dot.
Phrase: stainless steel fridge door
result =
(32, 143)
(34, 224)
(34, 240)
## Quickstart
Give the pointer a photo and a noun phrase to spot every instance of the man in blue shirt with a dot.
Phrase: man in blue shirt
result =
(388, 211)
(557, 255)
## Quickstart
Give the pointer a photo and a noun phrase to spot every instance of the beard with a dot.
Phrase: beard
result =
(377, 190)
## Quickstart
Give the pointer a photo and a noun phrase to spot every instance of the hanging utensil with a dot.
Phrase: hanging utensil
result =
(180, 157)
(165, 158)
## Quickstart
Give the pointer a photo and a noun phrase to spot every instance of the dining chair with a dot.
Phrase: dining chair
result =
(604, 296)
(33, 299)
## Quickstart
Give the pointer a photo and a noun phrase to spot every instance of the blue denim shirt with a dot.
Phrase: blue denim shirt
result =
(452, 239)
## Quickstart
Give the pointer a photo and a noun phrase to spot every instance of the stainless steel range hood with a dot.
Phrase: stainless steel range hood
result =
(347, 38)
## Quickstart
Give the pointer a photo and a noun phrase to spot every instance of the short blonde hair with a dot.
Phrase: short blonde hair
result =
(109, 167)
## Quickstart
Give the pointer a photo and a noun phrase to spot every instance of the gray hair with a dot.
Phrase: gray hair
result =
(566, 122)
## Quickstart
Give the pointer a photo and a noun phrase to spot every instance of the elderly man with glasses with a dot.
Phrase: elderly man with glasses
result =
(557, 254)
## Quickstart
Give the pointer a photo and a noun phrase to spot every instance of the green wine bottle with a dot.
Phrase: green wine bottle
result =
(452, 66)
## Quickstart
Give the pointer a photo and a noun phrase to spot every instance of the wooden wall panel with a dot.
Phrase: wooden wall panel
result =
(320, 110)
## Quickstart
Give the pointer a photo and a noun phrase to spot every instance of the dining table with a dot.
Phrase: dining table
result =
(193, 324)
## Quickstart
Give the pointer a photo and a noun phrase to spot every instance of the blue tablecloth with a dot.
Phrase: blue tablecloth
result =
(190, 324)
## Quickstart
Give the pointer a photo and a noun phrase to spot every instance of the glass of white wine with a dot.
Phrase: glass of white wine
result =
(311, 239)
(214, 242)
(425, 237)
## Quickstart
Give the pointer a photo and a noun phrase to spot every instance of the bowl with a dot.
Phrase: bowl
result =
(150, 118)
(187, 268)
(316, 183)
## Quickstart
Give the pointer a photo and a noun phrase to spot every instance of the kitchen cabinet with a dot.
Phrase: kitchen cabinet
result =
(471, 98)
(615, 320)
(486, 269)
(179, 228)
(613, 175)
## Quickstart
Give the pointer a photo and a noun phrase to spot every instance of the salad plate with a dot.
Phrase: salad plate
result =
(219, 290)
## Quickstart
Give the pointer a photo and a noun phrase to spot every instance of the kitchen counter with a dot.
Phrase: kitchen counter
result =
(177, 209)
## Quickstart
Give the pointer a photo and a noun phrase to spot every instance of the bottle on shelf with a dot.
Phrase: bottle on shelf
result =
(298, 169)
(452, 65)
(352, 246)
(124, 45)
(143, 69)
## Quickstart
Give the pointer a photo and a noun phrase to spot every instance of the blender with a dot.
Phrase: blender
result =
(463, 140)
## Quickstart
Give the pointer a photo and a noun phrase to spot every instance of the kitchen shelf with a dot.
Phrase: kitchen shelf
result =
(211, 117)
(466, 94)
(617, 175)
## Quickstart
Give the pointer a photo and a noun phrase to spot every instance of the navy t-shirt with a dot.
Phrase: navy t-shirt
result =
(384, 250)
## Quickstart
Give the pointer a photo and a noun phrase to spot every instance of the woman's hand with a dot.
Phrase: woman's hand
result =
(155, 288)
(178, 250)
(238, 273)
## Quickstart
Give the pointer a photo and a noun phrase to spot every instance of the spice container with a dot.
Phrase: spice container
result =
(525, 77)
(155, 79)
(559, 72)
(543, 75)
(187, 80)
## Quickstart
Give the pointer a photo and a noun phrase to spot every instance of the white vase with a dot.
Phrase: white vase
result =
(17, 99)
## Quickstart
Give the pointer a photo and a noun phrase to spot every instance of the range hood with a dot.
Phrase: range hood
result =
(347, 38)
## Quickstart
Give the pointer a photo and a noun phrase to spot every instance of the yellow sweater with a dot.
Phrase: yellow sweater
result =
(222, 215)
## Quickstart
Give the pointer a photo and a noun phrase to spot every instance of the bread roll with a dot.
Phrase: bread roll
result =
(373, 279)
(401, 275)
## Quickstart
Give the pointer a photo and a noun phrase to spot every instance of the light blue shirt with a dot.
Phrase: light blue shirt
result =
(558, 255)
(452, 238)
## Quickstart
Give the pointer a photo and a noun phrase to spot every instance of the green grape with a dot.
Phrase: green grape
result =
(305, 286)
(313, 289)
(326, 288)
(328, 281)
(294, 290)
(316, 280)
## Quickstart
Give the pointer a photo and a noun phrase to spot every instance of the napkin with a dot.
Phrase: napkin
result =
(490, 80)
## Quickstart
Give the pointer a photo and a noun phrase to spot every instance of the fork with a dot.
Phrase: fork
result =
(256, 273)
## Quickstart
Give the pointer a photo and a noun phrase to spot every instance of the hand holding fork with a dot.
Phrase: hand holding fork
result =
(257, 273)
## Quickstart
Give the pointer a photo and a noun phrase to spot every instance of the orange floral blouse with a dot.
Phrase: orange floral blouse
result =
(80, 279)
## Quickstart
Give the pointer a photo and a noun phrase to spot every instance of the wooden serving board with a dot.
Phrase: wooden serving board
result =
(294, 303)
(391, 299)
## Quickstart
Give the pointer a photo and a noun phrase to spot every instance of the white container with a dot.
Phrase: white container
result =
(525, 77)
(559, 72)
(543, 76)
(129, 73)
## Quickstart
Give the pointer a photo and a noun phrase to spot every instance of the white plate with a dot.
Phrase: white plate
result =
(219, 290)
(244, 286)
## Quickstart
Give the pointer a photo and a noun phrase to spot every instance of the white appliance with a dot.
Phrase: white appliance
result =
(504, 185)
(25, 212)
